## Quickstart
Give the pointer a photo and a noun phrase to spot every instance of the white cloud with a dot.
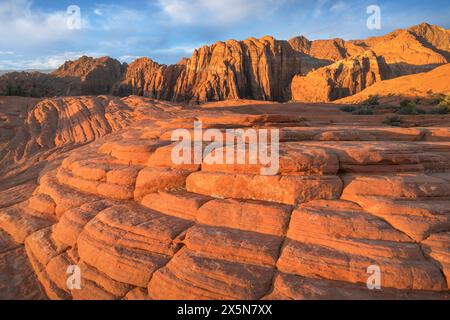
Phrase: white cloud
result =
(4, 53)
(45, 63)
(128, 58)
(219, 12)
(338, 6)
(318, 9)
(178, 49)
(23, 26)
(120, 18)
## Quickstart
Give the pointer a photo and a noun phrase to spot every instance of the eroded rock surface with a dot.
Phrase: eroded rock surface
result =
(138, 226)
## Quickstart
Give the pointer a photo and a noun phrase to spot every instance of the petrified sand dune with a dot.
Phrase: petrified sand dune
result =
(110, 201)
(417, 85)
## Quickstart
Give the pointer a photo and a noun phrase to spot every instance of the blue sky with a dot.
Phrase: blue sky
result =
(34, 33)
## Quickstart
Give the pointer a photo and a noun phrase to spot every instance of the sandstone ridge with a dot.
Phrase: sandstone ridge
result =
(260, 69)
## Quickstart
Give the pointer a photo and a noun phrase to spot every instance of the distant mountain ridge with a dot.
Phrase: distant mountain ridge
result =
(2, 72)
(260, 69)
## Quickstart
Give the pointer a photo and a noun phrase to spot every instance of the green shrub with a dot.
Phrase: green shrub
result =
(363, 112)
(407, 108)
(15, 90)
(348, 108)
(445, 102)
(394, 121)
(437, 98)
(372, 100)
(440, 110)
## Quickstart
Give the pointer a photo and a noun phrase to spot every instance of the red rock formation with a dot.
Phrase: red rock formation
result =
(139, 227)
(255, 68)
(259, 69)
(93, 76)
(85, 76)
(410, 86)
(435, 37)
(34, 84)
(406, 52)
(340, 79)
(147, 78)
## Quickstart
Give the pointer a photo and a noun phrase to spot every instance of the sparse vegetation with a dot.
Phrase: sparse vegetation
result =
(372, 101)
(394, 121)
(14, 90)
(365, 108)
(363, 112)
(437, 98)
(440, 110)
(441, 103)
(409, 108)
(348, 108)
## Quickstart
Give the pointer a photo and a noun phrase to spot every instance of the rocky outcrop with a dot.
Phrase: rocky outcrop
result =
(259, 69)
(91, 76)
(320, 53)
(36, 131)
(407, 51)
(34, 84)
(340, 79)
(147, 78)
(85, 76)
(434, 37)
(407, 87)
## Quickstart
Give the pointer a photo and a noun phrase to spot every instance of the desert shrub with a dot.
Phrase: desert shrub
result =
(421, 111)
(372, 100)
(348, 108)
(445, 102)
(437, 98)
(441, 109)
(15, 90)
(407, 108)
(394, 121)
(363, 112)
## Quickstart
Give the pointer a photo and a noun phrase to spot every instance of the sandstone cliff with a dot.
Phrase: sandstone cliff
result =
(340, 79)
(147, 78)
(410, 51)
(259, 69)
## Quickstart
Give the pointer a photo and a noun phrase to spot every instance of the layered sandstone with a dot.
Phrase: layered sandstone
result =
(345, 197)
